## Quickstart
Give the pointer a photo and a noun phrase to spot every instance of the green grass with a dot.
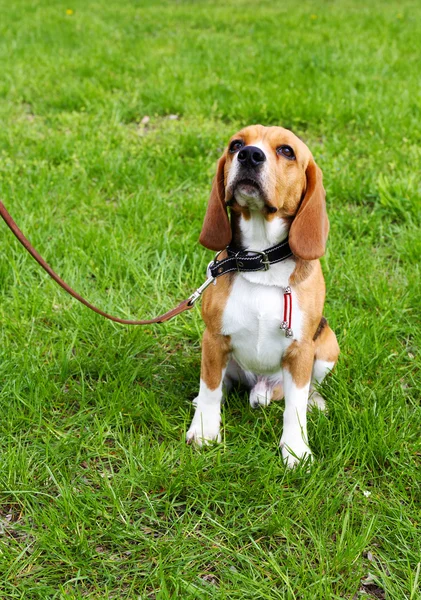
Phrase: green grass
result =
(100, 497)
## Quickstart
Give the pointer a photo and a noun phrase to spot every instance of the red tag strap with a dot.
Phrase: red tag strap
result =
(286, 323)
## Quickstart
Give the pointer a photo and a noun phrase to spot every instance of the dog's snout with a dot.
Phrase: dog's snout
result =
(251, 156)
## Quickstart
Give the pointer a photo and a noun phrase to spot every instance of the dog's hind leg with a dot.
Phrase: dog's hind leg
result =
(325, 357)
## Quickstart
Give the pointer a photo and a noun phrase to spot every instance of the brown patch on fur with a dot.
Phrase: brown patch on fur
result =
(215, 353)
(303, 269)
(327, 347)
(321, 326)
(299, 359)
(243, 211)
(214, 300)
(309, 287)
(310, 291)
(300, 356)
(215, 346)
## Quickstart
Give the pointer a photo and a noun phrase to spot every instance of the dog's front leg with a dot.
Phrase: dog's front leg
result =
(205, 426)
(297, 367)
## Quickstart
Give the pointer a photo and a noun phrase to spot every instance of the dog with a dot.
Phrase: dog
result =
(274, 190)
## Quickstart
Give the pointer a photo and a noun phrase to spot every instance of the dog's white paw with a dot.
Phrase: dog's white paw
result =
(316, 400)
(295, 451)
(205, 427)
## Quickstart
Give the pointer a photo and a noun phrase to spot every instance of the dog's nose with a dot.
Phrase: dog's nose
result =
(251, 156)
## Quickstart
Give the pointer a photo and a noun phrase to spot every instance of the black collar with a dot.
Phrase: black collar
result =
(250, 260)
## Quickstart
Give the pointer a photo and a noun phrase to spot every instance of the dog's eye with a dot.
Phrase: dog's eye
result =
(236, 145)
(286, 151)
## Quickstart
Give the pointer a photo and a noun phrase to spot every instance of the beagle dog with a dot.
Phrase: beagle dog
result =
(268, 178)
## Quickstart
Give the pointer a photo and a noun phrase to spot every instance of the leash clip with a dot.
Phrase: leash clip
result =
(196, 295)
(213, 263)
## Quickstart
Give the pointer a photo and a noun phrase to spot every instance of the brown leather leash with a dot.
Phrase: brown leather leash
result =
(236, 260)
(183, 306)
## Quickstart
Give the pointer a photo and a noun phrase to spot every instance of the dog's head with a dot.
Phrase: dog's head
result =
(269, 169)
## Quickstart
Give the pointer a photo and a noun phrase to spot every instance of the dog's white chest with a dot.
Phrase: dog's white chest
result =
(252, 318)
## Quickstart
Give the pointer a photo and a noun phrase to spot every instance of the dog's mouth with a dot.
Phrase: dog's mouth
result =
(247, 183)
(248, 192)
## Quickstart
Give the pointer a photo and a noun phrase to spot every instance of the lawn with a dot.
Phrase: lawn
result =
(112, 117)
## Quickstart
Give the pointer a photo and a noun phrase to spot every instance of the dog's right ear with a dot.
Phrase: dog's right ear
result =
(216, 231)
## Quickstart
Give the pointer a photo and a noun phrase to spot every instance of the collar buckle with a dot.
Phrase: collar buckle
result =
(264, 260)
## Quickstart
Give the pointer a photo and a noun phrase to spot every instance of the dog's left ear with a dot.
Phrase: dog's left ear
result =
(216, 231)
(310, 227)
